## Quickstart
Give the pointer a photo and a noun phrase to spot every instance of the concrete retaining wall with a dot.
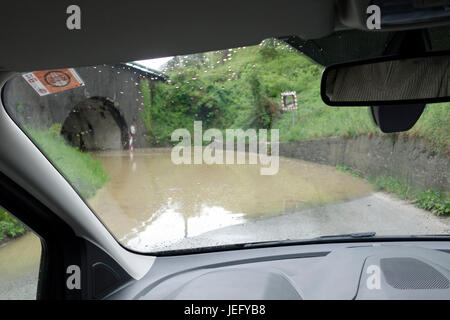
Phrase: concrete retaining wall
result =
(411, 160)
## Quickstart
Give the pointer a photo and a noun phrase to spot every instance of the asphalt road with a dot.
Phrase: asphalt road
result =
(19, 268)
(377, 212)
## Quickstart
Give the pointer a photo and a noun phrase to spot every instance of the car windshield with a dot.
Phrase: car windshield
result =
(229, 147)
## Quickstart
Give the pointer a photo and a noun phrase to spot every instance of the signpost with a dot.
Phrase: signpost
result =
(132, 132)
(289, 102)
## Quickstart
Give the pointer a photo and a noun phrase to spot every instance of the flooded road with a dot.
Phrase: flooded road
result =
(150, 202)
(19, 267)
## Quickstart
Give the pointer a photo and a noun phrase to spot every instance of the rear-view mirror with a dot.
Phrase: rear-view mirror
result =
(388, 81)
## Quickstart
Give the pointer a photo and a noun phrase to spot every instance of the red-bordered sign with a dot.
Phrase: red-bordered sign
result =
(51, 81)
(289, 100)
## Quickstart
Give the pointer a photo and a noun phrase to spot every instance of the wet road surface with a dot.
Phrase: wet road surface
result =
(150, 204)
(19, 268)
(377, 212)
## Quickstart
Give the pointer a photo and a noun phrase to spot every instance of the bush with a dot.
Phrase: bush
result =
(55, 131)
(10, 227)
(346, 169)
(435, 201)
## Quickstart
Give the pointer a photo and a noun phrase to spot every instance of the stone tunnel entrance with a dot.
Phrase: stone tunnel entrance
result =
(95, 124)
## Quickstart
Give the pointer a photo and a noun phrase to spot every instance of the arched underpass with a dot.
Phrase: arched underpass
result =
(95, 124)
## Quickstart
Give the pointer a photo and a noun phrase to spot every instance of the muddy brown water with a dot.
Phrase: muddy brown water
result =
(24, 251)
(19, 267)
(151, 201)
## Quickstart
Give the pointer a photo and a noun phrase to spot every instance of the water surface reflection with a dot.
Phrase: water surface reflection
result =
(150, 202)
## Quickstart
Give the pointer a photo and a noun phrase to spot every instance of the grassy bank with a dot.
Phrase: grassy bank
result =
(10, 227)
(241, 88)
(432, 200)
(84, 173)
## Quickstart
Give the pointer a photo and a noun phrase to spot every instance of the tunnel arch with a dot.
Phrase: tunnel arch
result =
(96, 124)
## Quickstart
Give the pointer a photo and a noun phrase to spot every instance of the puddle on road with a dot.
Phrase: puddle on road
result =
(20, 256)
(151, 201)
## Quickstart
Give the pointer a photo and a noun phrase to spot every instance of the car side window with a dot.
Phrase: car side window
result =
(20, 254)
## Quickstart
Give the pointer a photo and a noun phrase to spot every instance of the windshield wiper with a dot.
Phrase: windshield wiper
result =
(358, 235)
(316, 240)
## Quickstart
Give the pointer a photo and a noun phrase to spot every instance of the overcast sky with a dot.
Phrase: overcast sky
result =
(154, 63)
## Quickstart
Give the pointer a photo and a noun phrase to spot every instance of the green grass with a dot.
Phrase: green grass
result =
(317, 121)
(346, 169)
(432, 200)
(10, 227)
(83, 172)
(393, 185)
(434, 126)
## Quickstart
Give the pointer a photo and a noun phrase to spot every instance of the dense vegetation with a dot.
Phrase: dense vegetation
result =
(241, 88)
(9, 226)
(84, 173)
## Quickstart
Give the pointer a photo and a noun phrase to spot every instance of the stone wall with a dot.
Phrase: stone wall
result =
(411, 160)
(118, 84)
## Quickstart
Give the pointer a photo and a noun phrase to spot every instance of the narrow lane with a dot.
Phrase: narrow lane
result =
(151, 202)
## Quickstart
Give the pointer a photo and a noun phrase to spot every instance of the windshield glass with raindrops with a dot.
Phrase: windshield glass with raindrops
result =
(230, 147)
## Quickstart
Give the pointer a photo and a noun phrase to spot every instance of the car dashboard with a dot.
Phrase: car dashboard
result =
(375, 270)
